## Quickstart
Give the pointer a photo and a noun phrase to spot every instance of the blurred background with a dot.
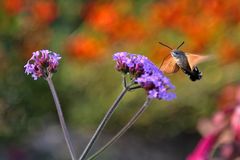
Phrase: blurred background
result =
(87, 34)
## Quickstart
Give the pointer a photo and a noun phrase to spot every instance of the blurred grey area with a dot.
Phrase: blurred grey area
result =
(49, 144)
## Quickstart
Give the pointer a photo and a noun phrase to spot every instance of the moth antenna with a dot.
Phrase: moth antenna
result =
(180, 45)
(165, 45)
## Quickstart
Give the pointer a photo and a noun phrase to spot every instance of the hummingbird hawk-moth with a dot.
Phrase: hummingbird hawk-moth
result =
(184, 61)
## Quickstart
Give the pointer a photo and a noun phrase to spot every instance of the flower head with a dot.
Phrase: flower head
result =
(235, 122)
(144, 73)
(42, 64)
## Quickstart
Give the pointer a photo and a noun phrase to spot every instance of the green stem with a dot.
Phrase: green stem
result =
(123, 130)
(61, 118)
(103, 122)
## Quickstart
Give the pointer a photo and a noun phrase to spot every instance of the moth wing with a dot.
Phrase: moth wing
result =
(194, 59)
(169, 65)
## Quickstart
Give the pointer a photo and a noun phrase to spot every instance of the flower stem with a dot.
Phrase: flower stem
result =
(123, 130)
(61, 118)
(104, 121)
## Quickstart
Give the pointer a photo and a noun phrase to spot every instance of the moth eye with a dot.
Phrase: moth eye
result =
(175, 53)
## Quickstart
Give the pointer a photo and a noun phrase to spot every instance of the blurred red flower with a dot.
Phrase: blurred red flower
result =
(228, 51)
(44, 11)
(168, 14)
(212, 8)
(106, 18)
(198, 31)
(86, 48)
(228, 11)
(13, 7)
(129, 29)
(203, 148)
(103, 17)
(235, 122)
(224, 126)
(229, 97)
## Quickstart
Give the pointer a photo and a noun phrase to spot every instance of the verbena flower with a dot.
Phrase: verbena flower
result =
(42, 64)
(143, 72)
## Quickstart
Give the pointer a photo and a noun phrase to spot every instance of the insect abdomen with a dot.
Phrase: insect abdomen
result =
(194, 75)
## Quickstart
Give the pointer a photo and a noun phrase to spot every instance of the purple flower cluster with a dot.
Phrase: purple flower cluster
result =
(42, 64)
(146, 74)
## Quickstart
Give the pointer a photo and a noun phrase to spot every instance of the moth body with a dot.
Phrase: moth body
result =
(184, 61)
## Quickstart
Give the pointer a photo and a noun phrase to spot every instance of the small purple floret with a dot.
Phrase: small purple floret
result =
(146, 74)
(42, 64)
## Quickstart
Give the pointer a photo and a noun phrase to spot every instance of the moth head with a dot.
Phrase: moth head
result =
(177, 53)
